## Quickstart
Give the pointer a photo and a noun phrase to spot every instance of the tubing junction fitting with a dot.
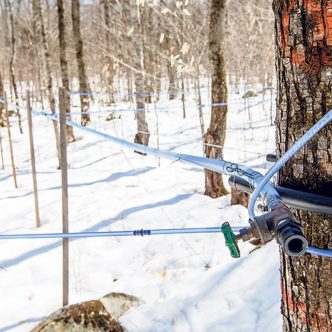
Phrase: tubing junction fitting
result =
(278, 222)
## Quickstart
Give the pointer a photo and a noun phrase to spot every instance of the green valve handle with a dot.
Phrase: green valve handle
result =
(230, 239)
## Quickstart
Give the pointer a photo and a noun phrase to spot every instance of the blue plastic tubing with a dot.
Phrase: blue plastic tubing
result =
(139, 232)
(263, 188)
(280, 163)
(286, 157)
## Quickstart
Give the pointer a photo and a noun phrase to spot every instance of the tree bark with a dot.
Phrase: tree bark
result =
(127, 43)
(142, 136)
(171, 72)
(239, 197)
(2, 108)
(199, 100)
(216, 133)
(12, 59)
(83, 80)
(109, 72)
(303, 31)
(147, 35)
(41, 33)
(64, 65)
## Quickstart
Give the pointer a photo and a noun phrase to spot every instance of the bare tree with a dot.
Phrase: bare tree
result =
(64, 64)
(109, 70)
(13, 57)
(216, 133)
(83, 81)
(2, 108)
(304, 79)
(142, 136)
(41, 34)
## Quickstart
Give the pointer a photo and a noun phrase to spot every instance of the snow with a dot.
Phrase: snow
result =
(186, 283)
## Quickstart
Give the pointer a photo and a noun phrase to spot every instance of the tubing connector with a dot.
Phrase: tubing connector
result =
(290, 236)
(281, 224)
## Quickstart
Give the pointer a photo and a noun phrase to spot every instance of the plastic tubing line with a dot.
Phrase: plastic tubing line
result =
(256, 104)
(139, 232)
(292, 198)
(145, 110)
(166, 108)
(269, 193)
(119, 94)
(162, 108)
(286, 157)
(127, 110)
(143, 94)
(235, 149)
(319, 252)
(220, 166)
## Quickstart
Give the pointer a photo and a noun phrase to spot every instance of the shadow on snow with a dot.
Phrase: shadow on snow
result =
(104, 223)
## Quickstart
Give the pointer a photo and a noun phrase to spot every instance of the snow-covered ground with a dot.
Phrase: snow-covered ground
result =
(187, 283)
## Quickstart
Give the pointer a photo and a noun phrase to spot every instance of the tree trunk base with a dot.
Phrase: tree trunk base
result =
(214, 186)
(239, 197)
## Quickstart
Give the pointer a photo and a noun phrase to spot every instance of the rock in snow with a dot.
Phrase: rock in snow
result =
(90, 316)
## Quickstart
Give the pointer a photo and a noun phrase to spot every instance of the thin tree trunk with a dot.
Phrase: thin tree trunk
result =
(142, 136)
(304, 43)
(37, 71)
(12, 59)
(216, 133)
(129, 96)
(64, 65)
(83, 81)
(40, 30)
(239, 197)
(2, 108)
(170, 68)
(200, 108)
(128, 57)
(158, 74)
(109, 73)
(183, 55)
(182, 97)
(147, 36)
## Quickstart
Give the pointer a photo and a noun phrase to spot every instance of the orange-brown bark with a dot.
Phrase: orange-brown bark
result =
(318, 51)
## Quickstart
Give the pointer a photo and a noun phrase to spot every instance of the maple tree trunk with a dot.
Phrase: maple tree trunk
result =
(142, 136)
(171, 71)
(64, 65)
(109, 72)
(215, 135)
(42, 35)
(12, 59)
(303, 32)
(82, 77)
(239, 197)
